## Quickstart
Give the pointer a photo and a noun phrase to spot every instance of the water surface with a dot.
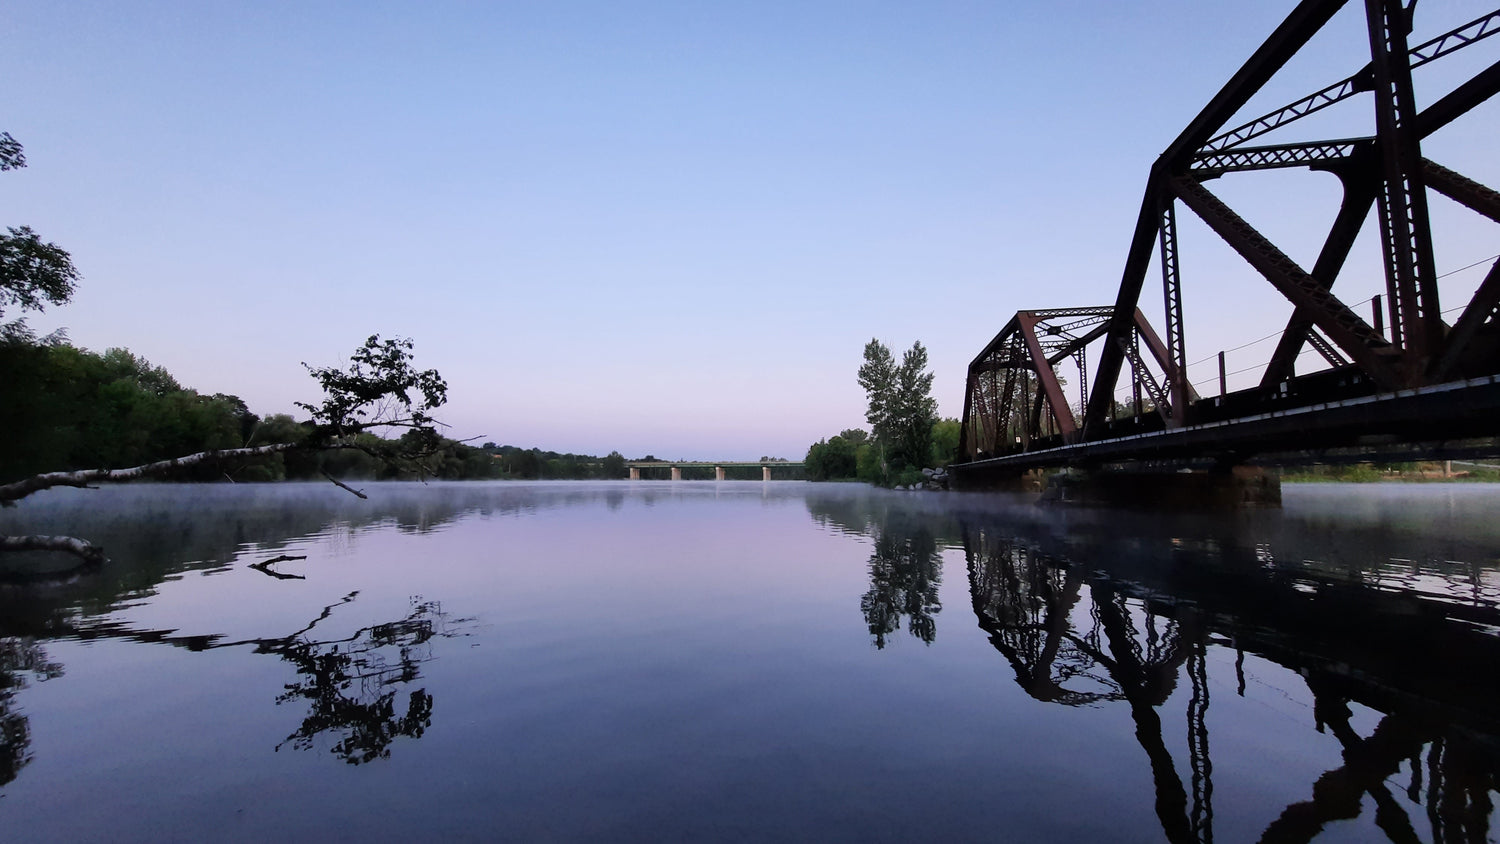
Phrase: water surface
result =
(731, 661)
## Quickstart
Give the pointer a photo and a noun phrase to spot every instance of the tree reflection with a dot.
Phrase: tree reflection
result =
(905, 573)
(1081, 636)
(351, 684)
(19, 657)
(361, 690)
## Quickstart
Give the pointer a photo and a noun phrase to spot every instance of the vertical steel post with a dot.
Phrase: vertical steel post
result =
(1223, 380)
(1171, 281)
(1379, 314)
(1406, 233)
(1135, 374)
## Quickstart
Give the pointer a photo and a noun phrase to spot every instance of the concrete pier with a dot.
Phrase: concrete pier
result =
(718, 473)
(676, 473)
(1240, 487)
(635, 473)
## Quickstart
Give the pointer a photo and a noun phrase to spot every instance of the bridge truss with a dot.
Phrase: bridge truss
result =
(1015, 403)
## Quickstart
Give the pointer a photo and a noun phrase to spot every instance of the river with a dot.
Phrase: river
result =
(750, 661)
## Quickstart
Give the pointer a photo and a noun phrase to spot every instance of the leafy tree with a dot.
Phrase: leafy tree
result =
(33, 273)
(834, 459)
(901, 409)
(380, 390)
(614, 466)
(945, 441)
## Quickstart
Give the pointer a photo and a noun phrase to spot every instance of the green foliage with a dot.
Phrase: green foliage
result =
(901, 409)
(376, 391)
(944, 442)
(869, 467)
(534, 464)
(613, 466)
(834, 459)
(33, 273)
(67, 408)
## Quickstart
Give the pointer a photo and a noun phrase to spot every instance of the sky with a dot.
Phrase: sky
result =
(656, 227)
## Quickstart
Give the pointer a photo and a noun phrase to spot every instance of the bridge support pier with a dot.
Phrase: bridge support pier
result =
(676, 473)
(718, 473)
(635, 473)
(1242, 486)
(765, 473)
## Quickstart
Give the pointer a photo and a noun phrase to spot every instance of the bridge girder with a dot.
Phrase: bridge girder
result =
(1013, 398)
(1384, 171)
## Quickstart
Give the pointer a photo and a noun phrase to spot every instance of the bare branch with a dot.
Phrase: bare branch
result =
(349, 489)
(11, 493)
(264, 567)
(90, 554)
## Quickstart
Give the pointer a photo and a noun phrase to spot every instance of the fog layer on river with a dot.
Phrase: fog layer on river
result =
(747, 661)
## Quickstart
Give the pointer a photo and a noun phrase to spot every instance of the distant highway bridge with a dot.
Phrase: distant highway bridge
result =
(1403, 384)
(719, 467)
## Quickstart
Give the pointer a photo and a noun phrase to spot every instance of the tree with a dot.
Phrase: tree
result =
(901, 409)
(33, 273)
(614, 466)
(945, 441)
(380, 391)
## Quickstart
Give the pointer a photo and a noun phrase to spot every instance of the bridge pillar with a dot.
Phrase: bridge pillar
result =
(635, 473)
(718, 473)
(1243, 486)
(765, 473)
(676, 473)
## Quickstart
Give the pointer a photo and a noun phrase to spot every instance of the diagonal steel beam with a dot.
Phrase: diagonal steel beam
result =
(1359, 195)
(1300, 26)
(1361, 81)
(1159, 352)
(1325, 348)
(1477, 313)
(1352, 334)
(1458, 102)
(1120, 324)
(1462, 189)
(1046, 378)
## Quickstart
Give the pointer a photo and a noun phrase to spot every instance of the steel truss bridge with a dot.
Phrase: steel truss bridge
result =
(1402, 384)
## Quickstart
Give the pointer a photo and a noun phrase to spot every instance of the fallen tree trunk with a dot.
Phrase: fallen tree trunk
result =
(91, 554)
(11, 493)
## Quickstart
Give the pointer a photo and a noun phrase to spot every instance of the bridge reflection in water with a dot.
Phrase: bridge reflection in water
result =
(1088, 616)
(1078, 637)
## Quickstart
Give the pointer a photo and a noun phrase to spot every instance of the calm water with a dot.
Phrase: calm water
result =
(699, 661)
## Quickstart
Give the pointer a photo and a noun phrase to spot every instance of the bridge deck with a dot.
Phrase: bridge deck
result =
(1391, 425)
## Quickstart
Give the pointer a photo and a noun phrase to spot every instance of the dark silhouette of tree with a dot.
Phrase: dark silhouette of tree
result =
(33, 273)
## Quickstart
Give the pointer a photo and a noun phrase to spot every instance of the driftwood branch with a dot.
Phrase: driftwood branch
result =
(11, 493)
(349, 489)
(264, 567)
(90, 554)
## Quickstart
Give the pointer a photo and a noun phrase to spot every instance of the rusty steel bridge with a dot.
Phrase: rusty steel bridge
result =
(1395, 379)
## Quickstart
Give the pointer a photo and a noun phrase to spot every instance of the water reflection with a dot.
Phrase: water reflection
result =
(351, 684)
(1078, 634)
(905, 573)
(21, 659)
(1090, 610)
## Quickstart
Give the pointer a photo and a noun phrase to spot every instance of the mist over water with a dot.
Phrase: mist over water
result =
(743, 660)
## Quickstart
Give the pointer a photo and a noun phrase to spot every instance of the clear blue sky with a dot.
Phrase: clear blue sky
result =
(652, 227)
